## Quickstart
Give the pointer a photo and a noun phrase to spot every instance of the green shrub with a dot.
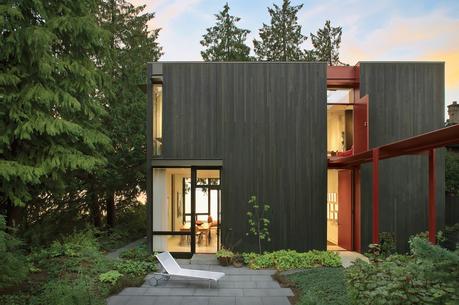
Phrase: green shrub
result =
(75, 292)
(290, 259)
(224, 253)
(135, 267)
(13, 266)
(139, 253)
(430, 275)
(321, 286)
(110, 277)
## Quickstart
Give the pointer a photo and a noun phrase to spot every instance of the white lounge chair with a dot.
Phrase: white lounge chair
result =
(171, 268)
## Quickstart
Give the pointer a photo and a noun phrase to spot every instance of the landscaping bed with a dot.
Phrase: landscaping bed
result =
(72, 271)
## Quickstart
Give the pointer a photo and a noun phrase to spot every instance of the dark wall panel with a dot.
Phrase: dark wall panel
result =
(405, 99)
(267, 122)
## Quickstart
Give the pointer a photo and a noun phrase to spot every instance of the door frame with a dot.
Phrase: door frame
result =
(194, 185)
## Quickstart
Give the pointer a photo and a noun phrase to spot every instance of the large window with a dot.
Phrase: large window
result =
(177, 226)
(157, 119)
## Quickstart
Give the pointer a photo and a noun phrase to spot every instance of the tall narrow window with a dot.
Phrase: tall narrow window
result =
(157, 119)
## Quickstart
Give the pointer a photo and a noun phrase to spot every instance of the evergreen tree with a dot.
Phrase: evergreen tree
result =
(50, 114)
(326, 44)
(282, 39)
(131, 46)
(225, 41)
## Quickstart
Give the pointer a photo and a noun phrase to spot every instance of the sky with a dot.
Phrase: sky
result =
(392, 30)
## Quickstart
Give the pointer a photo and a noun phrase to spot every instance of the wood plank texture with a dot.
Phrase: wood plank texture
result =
(267, 122)
(405, 99)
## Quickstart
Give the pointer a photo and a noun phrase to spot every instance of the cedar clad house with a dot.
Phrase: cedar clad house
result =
(290, 133)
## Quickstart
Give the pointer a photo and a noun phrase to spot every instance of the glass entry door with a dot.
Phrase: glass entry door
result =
(206, 212)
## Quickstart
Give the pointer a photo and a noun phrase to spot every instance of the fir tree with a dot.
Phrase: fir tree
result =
(282, 39)
(326, 44)
(50, 115)
(131, 46)
(225, 41)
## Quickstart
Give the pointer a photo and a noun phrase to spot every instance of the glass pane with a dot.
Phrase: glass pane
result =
(214, 181)
(172, 243)
(188, 196)
(168, 198)
(208, 173)
(157, 119)
(202, 200)
(214, 196)
(201, 181)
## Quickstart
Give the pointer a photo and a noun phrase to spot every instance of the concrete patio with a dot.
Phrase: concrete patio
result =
(241, 286)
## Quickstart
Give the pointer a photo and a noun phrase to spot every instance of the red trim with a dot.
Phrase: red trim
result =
(343, 76)
(375, 235)
(357, 210)
(432, 211)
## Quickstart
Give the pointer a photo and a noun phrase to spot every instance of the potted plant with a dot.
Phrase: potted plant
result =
(225, 257)
(238, 260)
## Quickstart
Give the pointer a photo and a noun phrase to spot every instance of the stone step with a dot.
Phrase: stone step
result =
(222, 292)
(228, 278)
(196, 300)
(205, 284)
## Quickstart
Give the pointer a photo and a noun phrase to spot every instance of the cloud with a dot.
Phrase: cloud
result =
(427, 37)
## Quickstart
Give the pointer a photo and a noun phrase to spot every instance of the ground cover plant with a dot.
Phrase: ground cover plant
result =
(429, 275)
(319, 286)
(290, 259)
(74, 271)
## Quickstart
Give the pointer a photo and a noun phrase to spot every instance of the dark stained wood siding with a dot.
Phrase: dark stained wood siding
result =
(405, 99)
(267, 122)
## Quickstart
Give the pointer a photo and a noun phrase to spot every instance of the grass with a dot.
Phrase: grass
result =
(320, 286)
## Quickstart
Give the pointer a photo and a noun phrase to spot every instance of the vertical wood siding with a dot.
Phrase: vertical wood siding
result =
(405, 99)
(267, 122)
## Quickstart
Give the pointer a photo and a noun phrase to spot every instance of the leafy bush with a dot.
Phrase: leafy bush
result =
(135, 267)
(13, 266)
(452, 172)
(139, 253)
(75, 292)
(290, 259)
(77, 244)
(110, 277)
(224, 253)
(430, 275)
(321, 286)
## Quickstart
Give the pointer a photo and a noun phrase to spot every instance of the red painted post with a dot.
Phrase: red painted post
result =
(432, 211)
(375, 195)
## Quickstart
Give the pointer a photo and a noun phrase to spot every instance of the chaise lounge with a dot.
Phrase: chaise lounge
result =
(171, 268)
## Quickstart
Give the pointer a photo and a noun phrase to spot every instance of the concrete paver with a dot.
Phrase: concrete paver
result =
(241, 286)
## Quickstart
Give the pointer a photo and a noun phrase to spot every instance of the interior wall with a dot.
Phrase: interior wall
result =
(160, 208)
(332, 188)
(335, 128)
(178, 201)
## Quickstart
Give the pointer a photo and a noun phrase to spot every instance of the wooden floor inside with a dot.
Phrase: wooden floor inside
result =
(182, 243)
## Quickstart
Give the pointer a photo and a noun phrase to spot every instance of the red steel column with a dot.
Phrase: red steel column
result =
(375, 195)
(432, 211)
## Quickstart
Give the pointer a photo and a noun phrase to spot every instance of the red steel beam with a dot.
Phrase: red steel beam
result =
(375, 195)
(432, 210)
(414, 145)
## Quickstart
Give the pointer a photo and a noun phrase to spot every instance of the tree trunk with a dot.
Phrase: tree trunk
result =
(95, 209)
(110, 201)
(13, 215)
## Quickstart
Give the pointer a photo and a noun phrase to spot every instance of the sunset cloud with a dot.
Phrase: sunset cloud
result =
(372, 30)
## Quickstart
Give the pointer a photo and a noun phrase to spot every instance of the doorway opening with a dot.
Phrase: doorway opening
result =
(186, 210)
(340, 143)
